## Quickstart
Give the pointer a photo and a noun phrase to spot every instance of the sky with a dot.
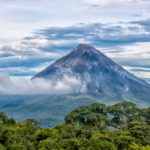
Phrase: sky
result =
(34, 33)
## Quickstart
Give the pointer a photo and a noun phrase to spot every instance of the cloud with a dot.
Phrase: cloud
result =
(32, 15)
(126, 43)
(104, 34)
(141, 72)
(134, 51)
(115, 2)
(50, 29)
(144, 23)
(22, 86)
(27, 55)
(103, 3)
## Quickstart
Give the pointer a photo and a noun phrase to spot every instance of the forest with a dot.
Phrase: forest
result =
(123, 126)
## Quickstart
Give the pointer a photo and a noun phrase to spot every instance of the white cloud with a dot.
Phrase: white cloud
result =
(140, 72)
(10, 85)
(102, 2)
(139, 49)
(30, 45)
(126, 43)
(115, 2)
(19, 17)
(132, 51)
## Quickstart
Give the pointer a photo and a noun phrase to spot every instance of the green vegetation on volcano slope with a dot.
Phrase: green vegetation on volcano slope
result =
(123, 126)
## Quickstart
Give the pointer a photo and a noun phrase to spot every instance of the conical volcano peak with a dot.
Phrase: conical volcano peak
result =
(84, 47)
(98, 75)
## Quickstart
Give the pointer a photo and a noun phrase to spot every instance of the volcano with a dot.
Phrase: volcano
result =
(104, 80)
(100, 75)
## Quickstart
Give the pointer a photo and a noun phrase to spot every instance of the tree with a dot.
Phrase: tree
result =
(123, 113)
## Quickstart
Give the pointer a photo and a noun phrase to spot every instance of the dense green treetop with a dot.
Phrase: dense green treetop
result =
(123, 126)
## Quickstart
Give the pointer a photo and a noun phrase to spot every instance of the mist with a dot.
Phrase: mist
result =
(23, 86)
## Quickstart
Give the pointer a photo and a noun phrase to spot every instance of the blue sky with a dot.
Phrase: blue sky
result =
(34, 34)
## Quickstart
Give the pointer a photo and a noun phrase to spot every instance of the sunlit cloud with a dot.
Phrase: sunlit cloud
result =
(141, 72)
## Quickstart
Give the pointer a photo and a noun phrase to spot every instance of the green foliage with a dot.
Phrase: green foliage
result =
(123, 113)
(5, 120)
(2, 147)
(135, 146)
(93, 115)
(141, 131)
(123, 126)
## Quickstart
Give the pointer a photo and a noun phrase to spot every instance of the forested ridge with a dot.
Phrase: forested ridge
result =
(123, 126)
